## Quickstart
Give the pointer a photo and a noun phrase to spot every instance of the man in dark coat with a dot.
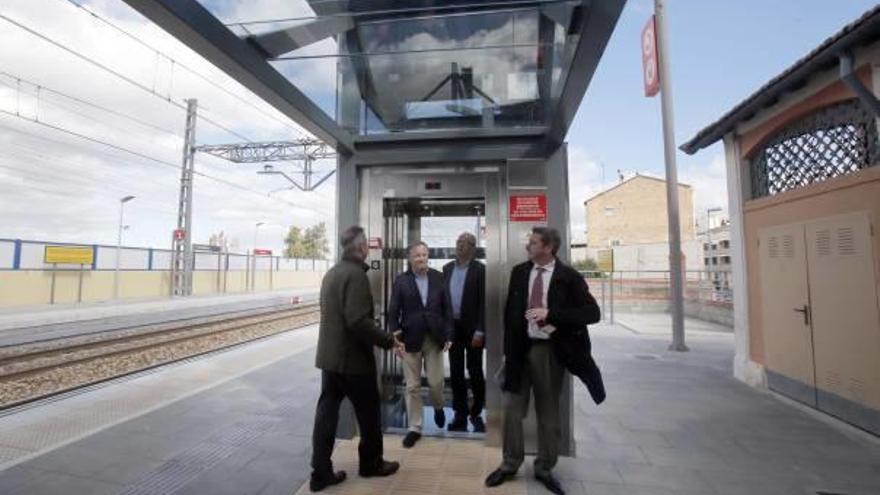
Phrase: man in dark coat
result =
(466, 283)
(346, 337)
(546, 316)
(419, 313)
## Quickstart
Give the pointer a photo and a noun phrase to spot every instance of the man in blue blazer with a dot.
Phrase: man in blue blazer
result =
(420, 315)
(466, 282)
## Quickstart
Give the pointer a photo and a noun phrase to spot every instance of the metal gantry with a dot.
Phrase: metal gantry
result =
(305, 150)
(181, 243)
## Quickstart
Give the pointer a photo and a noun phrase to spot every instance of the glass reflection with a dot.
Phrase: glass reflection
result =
(461, 70)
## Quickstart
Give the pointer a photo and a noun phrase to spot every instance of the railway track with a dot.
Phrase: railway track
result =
(38, 370)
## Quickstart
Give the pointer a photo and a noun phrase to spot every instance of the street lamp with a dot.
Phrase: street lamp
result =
(254, 254)
(122, 202)
(256, 231)
(709, 211)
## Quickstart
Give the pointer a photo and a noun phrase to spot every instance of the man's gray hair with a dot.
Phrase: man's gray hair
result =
(470, 238)
(414, 245)
(352, 239)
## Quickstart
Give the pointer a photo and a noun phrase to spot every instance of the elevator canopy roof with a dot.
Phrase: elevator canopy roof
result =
(358, 70)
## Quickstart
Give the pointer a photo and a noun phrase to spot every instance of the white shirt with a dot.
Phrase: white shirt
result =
(536, 332)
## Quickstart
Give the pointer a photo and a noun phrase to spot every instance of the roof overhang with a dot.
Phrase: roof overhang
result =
(201, 31)
(247, 58)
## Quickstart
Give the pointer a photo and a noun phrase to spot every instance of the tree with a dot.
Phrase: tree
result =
(309, 243)
(585, 265)
(295, 244)
(316, 241)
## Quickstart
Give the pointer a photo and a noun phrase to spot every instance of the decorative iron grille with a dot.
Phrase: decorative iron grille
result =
(837, 140)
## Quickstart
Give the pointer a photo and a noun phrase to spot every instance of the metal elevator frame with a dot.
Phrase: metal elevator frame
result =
(529, 159)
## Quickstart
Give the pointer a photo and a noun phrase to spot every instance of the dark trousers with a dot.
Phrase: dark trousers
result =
(541, 375)
(460, 354)
(363, 393)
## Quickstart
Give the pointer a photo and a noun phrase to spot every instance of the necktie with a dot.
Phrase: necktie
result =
(536, 299)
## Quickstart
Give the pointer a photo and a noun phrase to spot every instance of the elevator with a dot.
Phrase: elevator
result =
(434, 202)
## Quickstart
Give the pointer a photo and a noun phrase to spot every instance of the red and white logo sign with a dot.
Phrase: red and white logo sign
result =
(263, 252)
(530, 208)
(179, 234)
(650, 65)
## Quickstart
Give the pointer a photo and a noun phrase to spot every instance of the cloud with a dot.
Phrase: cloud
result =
(58, 187)
(709, 181)
(584, 180)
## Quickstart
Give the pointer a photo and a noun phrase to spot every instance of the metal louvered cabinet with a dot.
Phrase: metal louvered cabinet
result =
(845, 317)
(785, 300)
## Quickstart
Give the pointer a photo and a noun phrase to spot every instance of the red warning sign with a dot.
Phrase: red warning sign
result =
(531, 208)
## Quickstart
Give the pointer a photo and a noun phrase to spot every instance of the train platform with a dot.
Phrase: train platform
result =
(239, 422)
(35, 323)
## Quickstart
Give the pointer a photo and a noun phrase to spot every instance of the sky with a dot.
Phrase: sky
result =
(58, 187)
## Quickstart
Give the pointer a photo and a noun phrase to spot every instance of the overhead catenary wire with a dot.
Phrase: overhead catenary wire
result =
(115, 73)
(40, 156)
(185, 67)
(82, 101)
(81, 114)
(156, 160)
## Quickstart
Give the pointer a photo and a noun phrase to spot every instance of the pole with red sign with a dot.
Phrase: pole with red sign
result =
(650, 67)
(655, 60)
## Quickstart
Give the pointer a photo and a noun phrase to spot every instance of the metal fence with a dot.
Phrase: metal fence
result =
(17, 254)
(648, 291)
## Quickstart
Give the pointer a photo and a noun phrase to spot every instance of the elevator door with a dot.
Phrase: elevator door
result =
(437, 222)
(399, 207)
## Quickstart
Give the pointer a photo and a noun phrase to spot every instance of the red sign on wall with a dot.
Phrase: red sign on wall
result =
(650, 65)
(530, 208)
(179, 234)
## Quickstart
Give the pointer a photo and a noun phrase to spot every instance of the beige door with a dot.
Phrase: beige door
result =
(846, 324)
(785, 312)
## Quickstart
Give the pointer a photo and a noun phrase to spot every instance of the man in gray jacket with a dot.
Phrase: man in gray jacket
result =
(346, 338)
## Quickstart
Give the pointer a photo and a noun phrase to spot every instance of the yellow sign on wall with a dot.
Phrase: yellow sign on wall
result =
(69, 255)
(605, 260)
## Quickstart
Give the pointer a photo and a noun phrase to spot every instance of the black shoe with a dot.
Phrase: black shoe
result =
(411, 438)
(479, 425)
(385, 468)
(439, 417)
(497, 477)
(459, 423)
(318, 483)
(550, 483)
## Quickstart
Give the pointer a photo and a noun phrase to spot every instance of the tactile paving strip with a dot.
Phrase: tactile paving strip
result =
(177, 472)
(435, 466)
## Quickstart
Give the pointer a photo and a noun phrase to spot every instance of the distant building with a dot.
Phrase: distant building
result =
(716, 256)
(631, 218)
(634, 212)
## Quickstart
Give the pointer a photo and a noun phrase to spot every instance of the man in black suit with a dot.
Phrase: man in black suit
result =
(545, 332)
(420, 315)
(465, 281)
